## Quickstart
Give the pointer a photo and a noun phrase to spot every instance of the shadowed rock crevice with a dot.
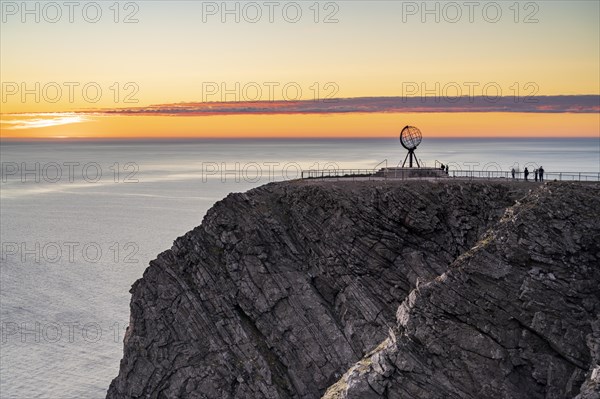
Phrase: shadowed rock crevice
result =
(285, 288)
(278, 371)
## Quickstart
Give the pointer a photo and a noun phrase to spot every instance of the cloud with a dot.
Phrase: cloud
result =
(538, 104)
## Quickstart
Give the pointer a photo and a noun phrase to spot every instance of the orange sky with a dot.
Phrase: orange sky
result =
(333, 125)
(163, 52)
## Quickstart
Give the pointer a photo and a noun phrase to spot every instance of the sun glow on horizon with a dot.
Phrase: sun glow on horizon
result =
(37, 121)
(356, 125)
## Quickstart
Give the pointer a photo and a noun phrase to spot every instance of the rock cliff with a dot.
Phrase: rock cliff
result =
(374, 289)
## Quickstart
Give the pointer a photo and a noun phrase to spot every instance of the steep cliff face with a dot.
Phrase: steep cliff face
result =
(285, 288)
(517, 316)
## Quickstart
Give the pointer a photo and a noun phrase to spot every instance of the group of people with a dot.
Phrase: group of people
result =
(539, 173)
(444, 168)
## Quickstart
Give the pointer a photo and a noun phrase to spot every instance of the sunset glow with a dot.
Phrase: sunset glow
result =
(102, 72)
(309, 126)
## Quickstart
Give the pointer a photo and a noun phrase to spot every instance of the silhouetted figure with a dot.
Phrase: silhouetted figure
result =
(526, 173)
(541, 171)
(535, 173)
(512, 172)
(447, 169)
(442, 167)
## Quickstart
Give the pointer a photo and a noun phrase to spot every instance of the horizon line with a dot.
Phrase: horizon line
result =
(282, 138)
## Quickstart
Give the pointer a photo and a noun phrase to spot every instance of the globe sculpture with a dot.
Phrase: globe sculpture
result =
(410, 138)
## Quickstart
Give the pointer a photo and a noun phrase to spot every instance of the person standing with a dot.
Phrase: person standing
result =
(526, 173)
(535, 172)
(541, 173)
(512, 172)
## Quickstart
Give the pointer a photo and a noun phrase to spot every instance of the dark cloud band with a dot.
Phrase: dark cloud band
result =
(538, 104)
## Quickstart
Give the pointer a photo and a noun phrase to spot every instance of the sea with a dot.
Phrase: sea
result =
(81, 220)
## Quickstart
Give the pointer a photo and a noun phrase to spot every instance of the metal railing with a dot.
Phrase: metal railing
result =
(332, 173)
(520, 176)
(370, 174)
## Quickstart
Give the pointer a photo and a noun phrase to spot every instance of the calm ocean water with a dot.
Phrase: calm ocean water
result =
(80, 222)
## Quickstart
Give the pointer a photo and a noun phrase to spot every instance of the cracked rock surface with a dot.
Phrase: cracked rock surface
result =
(374, 289)
(517, 316)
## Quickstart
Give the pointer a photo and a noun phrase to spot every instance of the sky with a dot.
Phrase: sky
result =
(120, 69)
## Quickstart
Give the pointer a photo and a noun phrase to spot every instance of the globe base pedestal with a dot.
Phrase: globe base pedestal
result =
(409, 157)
